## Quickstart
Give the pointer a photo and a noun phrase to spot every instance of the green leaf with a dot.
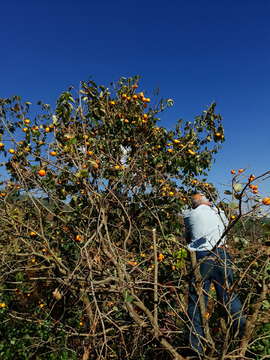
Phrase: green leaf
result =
(83, 173)
(237, 187)
(127, 296)
(118, 315)
(266, 304)
(233, 206)
(94, 121)
(180, 264)
(266, 227)
(73, 141)
(54, 119)
(184, 253)
(92, 162)
(227, 192)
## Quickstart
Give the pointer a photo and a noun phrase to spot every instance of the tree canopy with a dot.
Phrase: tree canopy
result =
(93, 261)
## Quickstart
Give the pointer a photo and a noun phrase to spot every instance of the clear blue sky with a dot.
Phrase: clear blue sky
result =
(199, 51)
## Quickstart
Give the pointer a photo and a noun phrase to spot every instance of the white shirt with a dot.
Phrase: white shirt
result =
(205, 226)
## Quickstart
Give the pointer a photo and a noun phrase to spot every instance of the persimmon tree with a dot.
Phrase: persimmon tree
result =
(248, 240)
(248, 243)
(93, 263)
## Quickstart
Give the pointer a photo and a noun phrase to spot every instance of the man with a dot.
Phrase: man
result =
(204, 228)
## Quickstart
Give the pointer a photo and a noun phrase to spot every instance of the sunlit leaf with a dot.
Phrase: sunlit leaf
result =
(237, 187)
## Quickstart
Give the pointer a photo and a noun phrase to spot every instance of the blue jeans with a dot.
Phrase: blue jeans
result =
(221, 274)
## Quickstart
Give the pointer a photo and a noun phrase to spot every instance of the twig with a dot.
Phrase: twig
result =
(155, 280)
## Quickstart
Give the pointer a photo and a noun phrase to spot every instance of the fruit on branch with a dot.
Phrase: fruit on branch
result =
(42, 172)
(266, 201)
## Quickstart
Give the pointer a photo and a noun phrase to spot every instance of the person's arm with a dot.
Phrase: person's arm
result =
(188, 237)
(187, 234)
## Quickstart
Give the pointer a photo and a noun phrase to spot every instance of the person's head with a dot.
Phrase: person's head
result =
(199, 199)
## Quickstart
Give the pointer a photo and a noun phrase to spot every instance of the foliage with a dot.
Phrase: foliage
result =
(93, 262)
